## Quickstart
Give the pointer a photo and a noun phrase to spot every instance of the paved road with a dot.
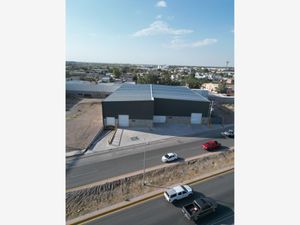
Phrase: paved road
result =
(160, 212)
(91, 169)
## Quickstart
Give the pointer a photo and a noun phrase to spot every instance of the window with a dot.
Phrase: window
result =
(172, 196)
(180, 193)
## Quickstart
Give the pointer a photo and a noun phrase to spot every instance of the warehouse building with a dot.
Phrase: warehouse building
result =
(90, 90)
(148, 104)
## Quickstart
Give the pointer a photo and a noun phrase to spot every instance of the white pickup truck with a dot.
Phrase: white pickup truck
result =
(178, 192)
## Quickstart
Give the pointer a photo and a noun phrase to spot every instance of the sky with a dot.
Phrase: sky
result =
(171, 32)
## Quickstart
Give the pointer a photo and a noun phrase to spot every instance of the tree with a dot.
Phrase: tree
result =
(221, 88)
(116, 72)
(166, 79)
(135, 78)
(193, 83)
(147, 79)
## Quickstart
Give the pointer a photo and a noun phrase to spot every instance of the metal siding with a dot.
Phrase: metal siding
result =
(171, 107)
(135, 109)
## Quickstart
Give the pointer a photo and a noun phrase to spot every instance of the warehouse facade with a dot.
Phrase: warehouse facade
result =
(148, 104)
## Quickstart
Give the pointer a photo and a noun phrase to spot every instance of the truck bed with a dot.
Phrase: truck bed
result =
(191, 209)
(199, 208)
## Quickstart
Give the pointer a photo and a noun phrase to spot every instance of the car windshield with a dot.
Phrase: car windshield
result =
(170, 155)
(167, 156)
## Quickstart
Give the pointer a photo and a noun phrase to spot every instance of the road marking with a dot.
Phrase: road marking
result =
(144, 200)
(220, 219)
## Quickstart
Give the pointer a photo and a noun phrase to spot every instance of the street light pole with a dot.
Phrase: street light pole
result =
(144, 167)
(210, 111)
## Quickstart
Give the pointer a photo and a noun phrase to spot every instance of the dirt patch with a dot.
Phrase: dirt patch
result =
(83, 122)
(225, 112)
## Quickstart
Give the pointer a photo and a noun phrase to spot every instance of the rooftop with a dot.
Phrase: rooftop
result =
(91, 87)
(131, 92)
(178, 188)
(147, 92)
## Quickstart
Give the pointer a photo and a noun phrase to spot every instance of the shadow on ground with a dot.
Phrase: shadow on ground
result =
(223, 215)
(71, 100)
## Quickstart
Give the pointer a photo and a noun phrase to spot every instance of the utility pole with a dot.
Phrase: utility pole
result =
(210, 111)
(144, 167)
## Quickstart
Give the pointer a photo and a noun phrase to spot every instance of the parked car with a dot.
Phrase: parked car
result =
(169, 157)
(211, 145)
(178, 192)
(228, 133)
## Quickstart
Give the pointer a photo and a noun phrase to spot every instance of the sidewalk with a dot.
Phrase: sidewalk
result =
(145, 136)
(137, 137)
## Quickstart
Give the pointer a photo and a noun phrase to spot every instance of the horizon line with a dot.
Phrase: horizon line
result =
(146, 64)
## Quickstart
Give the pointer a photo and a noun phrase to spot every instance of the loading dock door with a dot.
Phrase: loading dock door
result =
(159, 119)
(123, 120)
(110, 121)
(196, 118)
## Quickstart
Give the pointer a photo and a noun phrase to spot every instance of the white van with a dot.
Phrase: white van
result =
(178, 192)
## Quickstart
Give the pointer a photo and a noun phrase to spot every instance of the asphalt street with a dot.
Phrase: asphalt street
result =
(91, 169)
(160, 212)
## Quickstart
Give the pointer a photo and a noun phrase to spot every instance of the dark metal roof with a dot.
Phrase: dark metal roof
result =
(86, 86)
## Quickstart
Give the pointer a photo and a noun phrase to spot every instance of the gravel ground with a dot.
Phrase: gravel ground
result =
(83, 121)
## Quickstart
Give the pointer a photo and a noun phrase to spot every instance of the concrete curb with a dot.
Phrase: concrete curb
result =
(75, 153)
(148, 143)
(117, 207)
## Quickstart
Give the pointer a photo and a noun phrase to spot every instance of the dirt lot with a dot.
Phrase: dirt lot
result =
(83, 121)
(225, 111)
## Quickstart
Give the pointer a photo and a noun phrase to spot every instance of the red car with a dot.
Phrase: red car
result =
(211, 145)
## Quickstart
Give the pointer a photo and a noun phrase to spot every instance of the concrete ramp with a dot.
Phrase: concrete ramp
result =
(118, 137)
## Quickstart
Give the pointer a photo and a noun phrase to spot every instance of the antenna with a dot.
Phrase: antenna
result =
(227, 62)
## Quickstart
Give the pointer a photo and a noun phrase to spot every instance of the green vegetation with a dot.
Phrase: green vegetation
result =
(147, 79)
(193, 82)
(222, 88)
(116, 72)
(151, 78)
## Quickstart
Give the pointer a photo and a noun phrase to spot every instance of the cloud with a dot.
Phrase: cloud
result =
(158, 17)
(161, 4)
(159, 28)
(177, 43)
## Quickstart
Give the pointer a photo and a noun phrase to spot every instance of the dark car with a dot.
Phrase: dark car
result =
(229, 133)
(211, 145)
